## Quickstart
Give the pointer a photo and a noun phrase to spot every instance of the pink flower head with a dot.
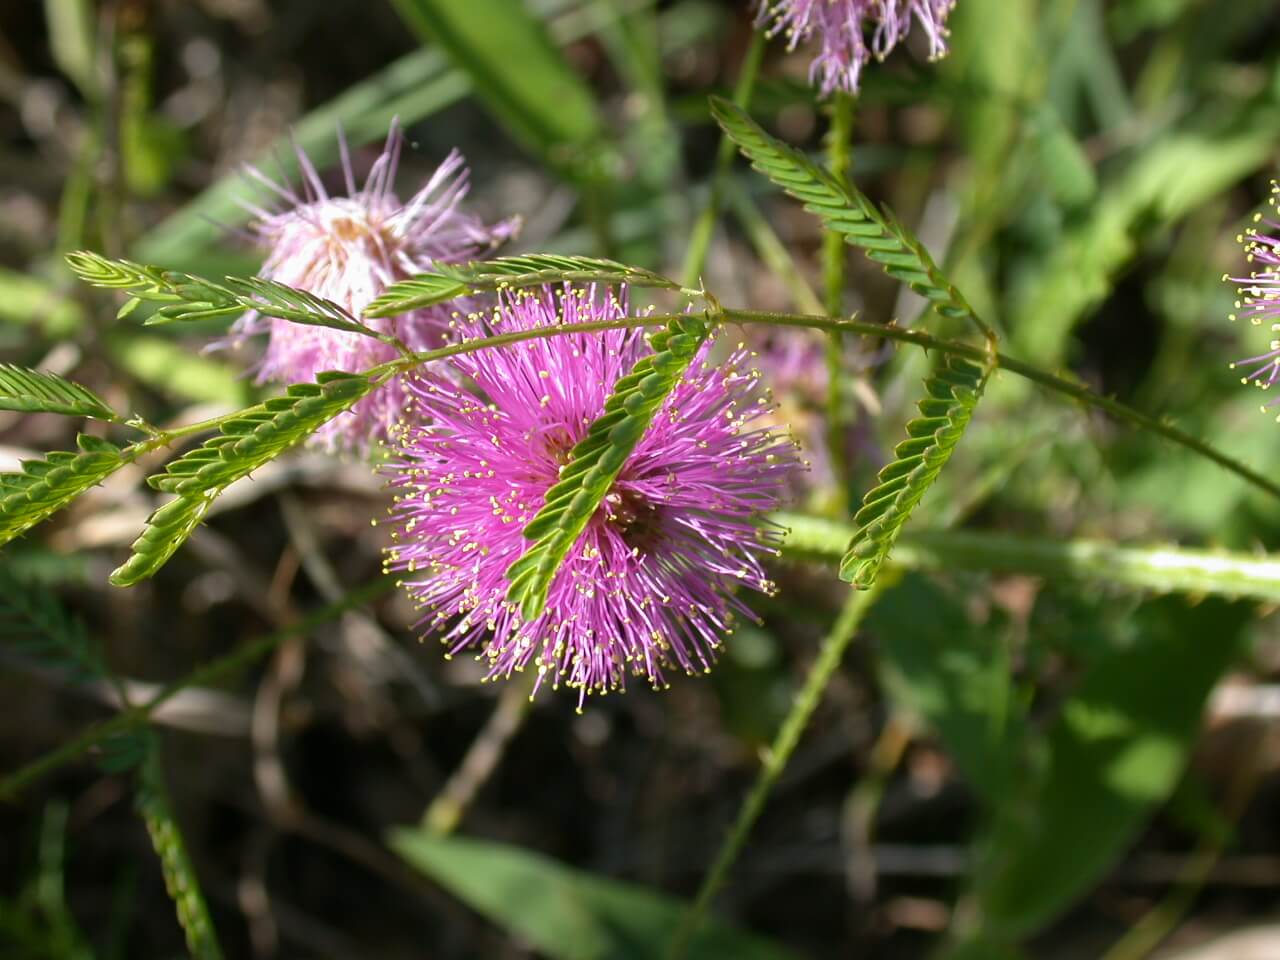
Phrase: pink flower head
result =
(349, 249)
(852, 32)
(649, 585)
(1259, 296)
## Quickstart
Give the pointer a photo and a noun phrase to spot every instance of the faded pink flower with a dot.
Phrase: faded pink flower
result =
(349, 249)
(850, 33)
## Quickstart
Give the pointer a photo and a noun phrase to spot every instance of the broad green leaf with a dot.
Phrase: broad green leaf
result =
(1061, 161)
(563, 913)
(1114, 752)
(34, 391)
(980, 950)
(1170, 176)
(72, 43)
(177, 370)
(954, 674)
(516, 69)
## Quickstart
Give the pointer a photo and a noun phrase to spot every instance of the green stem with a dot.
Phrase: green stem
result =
(983, 356)
(446, 810)
(775, 761)
(703, 229)
(979, 354)
(839, 162)
(1162, 567)
(388, 370)
(133, 717)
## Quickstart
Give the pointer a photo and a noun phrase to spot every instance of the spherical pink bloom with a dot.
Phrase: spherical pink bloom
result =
(649, 586)
(1259, 295)
(349, 249)
(852, 32)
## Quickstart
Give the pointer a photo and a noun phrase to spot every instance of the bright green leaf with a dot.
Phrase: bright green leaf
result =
(953, 673)
(565, 914)
(1115, 751)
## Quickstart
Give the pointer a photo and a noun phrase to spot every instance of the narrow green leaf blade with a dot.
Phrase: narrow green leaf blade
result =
(516, 70)
(564, 913)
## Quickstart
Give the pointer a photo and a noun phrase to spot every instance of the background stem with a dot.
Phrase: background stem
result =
(704, 227)
(775, 761)
(839, 162)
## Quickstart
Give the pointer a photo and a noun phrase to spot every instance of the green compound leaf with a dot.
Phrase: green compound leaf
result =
(186, 297)
(951, 394)
(278, 300)
(450, 281)
(179, 876)
(167, 529)
(45, 486)
(33, 391)
(34, 623)
(846, 211)
(597, 459)
(255, 437)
